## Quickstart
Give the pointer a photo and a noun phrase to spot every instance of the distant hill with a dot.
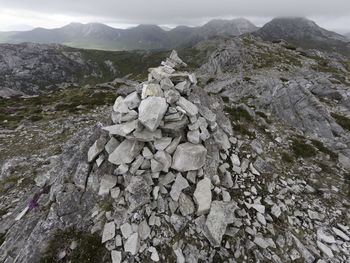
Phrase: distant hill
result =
(347, 35)
(304, 33)
(100, 36)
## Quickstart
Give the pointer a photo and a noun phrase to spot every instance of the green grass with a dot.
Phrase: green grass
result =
(302, 149)
(89, 247)
(16, 109)
(343, 121)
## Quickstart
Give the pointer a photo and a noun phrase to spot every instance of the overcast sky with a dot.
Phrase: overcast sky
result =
(26, 14)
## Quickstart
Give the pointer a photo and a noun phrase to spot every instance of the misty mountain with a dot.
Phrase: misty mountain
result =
(304, 33)
(347, 35)
(100, 36)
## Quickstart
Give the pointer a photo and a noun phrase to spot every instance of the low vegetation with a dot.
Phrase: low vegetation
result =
(341, 120)
(89, 247)
(73, 99)
(302, 149)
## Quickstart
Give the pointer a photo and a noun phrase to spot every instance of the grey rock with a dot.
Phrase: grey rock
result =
(173, 145)
(144, 230)
(126, 230)
(166, 84)
(116, 256)
(162, 143)
(172, 96)
(186, 205)
(189, 107)
(202, 196)
(189, 157)
(164, 158)
(107, 183)
(183, 87)
(132, 245)
(193, 136)
(108, 232)
(111, 145)
(221, 214)
(152, 111)
(147, 136)
(179, 185)
(132, 100)
(325, 249)
(125, 152)
(120, 106)
(121, 129)
(96, 149)
(151, 90)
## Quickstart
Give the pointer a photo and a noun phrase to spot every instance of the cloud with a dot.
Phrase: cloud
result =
(188, 12)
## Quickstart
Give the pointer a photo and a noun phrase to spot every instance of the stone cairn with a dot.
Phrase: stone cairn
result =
(156, 144)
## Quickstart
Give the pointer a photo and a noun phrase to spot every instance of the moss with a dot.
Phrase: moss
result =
(10, 180)
(276, 41)
(341, 120)
(238, 113)
(287, 158)
(106, 205)
(225, 99)
(302, 149)
(325, 168)
(247, 79)
(319, 145)
(89, 247)
(210, 80)
(284, 79)
(290, 47)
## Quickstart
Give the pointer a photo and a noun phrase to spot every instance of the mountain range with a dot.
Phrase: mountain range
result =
(100, 36)
(304, 33)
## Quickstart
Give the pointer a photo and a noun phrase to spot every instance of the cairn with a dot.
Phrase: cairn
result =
(157, 147)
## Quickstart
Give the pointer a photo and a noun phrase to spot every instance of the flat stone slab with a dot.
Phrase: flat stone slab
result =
(189, 157)
(125, 152)
(108, 231)
(221, 214)
(96, 149)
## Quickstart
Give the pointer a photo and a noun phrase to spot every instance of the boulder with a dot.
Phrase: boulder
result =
(151, 112)
(108, 232)
(188, 157)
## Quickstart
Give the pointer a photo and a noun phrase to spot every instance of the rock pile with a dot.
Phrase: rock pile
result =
(157, 146)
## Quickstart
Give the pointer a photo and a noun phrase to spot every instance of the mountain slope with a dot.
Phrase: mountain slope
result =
(304, 33)
(100, 36)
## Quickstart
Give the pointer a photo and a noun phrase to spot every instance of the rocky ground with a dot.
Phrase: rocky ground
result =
(250, 164)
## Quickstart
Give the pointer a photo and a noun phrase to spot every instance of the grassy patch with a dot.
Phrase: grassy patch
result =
(343, 121)
(319, 145)
(34, 109)
(302, 149)
(287, 158)
(238, 113)
(89, 247)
